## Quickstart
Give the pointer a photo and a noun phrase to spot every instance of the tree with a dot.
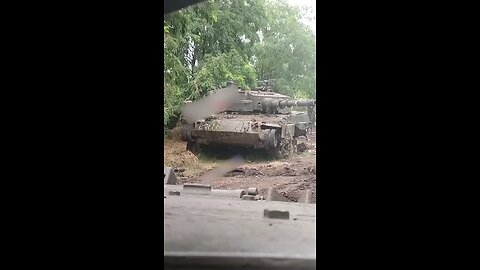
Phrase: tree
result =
(287, 52)
(223, 40)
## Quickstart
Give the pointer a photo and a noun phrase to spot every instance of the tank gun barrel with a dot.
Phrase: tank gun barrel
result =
(271, 103)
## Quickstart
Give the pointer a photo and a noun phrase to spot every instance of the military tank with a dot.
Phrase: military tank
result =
(258, 119)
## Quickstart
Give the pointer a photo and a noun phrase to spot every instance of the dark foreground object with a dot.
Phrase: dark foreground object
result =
(215, 229)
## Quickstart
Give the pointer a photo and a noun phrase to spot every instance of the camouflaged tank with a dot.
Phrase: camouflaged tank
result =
(259, 119)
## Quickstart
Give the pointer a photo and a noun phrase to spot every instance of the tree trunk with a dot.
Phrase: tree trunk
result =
(194, 59)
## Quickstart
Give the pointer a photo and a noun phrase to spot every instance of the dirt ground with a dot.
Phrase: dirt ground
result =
(290, 176)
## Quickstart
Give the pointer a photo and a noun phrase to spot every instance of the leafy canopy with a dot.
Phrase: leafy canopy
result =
(241, 40)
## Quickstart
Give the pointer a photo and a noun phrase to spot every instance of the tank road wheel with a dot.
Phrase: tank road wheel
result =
(275, 152)
(283, 149)
(308, 133)
(290, 147)
(294, 145)
(194, 147)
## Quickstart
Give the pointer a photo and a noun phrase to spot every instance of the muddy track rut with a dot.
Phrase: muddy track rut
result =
(290, 176)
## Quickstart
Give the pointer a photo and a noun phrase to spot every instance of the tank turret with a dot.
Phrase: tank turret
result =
(262, 101)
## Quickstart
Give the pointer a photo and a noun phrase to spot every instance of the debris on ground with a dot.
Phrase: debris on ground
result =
(302, 147)
(290, 177)
(176, 155)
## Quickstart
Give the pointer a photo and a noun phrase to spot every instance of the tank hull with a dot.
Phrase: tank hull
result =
(227, 138)
(236, 133)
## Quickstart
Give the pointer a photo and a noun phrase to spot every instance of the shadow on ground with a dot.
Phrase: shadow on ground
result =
(227, 152)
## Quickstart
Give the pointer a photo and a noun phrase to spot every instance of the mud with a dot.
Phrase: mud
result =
(290, 176)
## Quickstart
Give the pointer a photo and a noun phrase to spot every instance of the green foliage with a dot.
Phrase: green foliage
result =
(231, 66)
(287, 52)
(242, 41)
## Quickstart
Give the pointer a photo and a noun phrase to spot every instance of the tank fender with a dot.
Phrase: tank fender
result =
(302, 125)
(270, 126)
(288, 131)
